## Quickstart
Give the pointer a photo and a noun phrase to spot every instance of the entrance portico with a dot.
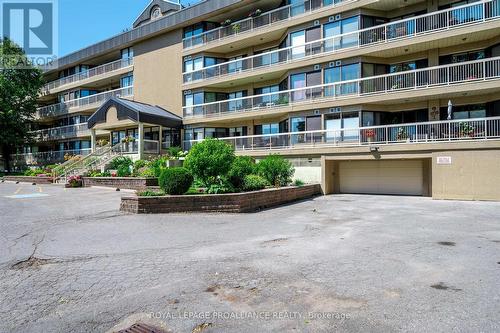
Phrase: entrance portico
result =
(135, 128)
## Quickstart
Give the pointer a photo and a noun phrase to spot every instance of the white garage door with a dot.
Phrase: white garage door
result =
(382, 177)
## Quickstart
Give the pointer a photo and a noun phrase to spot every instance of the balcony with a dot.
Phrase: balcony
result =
(44, 158)
(63, 132)
(465, 130)
(379, 87)
(93, 73)
(93, 101)
(432, 23)
(260, 22)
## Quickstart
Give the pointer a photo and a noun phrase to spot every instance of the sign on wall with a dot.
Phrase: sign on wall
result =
(444, 160)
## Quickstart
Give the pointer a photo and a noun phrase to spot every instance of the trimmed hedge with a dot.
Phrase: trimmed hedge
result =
(175, 181)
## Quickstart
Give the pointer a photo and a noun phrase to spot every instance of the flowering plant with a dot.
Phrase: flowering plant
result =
(75, 181)
(369, 133)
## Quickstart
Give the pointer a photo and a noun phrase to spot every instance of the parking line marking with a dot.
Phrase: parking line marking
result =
(27, 196)
(40, 189)
(18, 190)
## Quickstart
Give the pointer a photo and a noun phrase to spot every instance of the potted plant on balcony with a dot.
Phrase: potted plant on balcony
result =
(226, 23)
(129, 143)
(102, 142)
(466, 130)
(255, 13)
(369, 134)
(402, 135)
(236, 28)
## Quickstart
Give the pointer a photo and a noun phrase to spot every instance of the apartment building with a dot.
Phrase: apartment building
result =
(366, 96)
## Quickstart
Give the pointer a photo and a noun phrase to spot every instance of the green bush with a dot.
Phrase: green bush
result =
(158, 165)
(121, 162)
(242, 166)
(298, 182)
(123, 171)
(146, 172)
(276, 170)
(150, 193)
(175, 181)
(34, 172)
(140, 164)
(97, 173)
(254, 183)
(174, 151)
(210, 161)
(223, 186)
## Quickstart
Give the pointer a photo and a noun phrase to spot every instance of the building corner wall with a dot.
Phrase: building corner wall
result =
(466, 175)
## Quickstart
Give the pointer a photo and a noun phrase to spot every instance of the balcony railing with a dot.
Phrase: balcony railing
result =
(63, 132)
(432, 77)
(264, 20)
(416, 133)
(44, 158)
(93, 100)
(408, 28)
(96, 71)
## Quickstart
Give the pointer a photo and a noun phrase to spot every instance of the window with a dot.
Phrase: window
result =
(298, 81)
(193, 99)
(238, 104)
(127, 53)
(342, 73)
(191, 65)
(127, 81)
(270, 92)
(267, 129)
(338, 28)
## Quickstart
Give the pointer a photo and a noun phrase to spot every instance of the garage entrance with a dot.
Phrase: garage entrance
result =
(400, 177)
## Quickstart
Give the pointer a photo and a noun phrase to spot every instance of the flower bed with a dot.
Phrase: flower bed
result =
(43, 179)
(132, 183)
(228, 203)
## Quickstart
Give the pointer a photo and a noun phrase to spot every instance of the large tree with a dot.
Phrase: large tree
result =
(20, 84)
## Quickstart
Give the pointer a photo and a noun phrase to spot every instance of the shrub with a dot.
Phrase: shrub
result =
(175, 181)
(123, 171)
(75, 181)
(97, 173)
(298, 182)
(242, 166)
(158, 165)
(254, 183)
(150, 193)
(174, 151)
(223, 186)
(146, 172)
(209, 161)
(276, 170)
(140, 164)
(121, 161)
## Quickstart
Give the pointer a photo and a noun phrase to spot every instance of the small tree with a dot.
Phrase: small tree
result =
(242, 166)
(276, 170)
(19, 89)
(209, 161)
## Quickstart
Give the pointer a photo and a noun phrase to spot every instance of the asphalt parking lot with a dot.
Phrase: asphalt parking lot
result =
(71, 262)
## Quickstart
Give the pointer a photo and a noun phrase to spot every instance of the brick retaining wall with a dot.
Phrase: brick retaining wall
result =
(229, 203)
(29, 179)
(132, 183)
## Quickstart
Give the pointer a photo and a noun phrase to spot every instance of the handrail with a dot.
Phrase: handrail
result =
(384, 33)
(421, 132)
(252, 23)
(89, 73)
(54, 133)
(63, 107)
(436, 76)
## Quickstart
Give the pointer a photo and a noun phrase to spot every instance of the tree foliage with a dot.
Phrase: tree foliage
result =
(19, 89)
(209, 161)
(276, 170)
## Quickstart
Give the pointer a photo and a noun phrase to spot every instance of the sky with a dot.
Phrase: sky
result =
(85, 22)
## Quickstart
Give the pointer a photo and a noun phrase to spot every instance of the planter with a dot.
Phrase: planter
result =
(29, 179)
(226, 203)
(174, 163)
(76, 184)
(131, 183)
